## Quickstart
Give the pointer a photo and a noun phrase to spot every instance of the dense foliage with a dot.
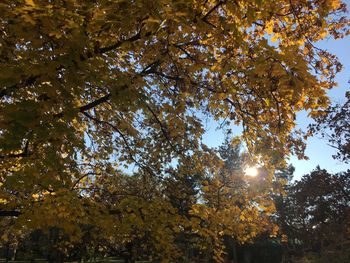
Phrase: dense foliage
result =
(92, 89)
(314, 215)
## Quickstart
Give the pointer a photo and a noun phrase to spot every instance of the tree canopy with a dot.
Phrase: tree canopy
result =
(333, 125)
(89, 89)
(314, 214)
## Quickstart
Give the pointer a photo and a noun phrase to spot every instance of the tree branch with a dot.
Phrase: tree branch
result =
(212, 10)
(9, 213)
(119, 43)
(94, 103)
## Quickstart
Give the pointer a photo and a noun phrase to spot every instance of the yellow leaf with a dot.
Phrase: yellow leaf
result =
(274, 38)
(30, 2)
(269, 27)
(323, 34)
(152, 20)
(335, 4)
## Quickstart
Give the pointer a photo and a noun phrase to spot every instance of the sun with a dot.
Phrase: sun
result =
(251, 171)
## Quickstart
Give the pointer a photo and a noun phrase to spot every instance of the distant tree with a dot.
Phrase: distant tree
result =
(315, 212)
(236, 207)
(334, 125)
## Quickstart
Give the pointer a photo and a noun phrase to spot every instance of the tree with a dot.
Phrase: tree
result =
(189, 215)
(333, 125)
(90, 87)
(314, 213)
(236, 208)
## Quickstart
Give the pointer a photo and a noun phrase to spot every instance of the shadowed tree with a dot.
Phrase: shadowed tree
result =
(334, 125)
(314, 213)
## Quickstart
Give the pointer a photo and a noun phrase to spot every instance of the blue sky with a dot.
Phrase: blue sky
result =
(317, 150)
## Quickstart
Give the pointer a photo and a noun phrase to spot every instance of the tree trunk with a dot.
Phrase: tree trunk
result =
(234, 251)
